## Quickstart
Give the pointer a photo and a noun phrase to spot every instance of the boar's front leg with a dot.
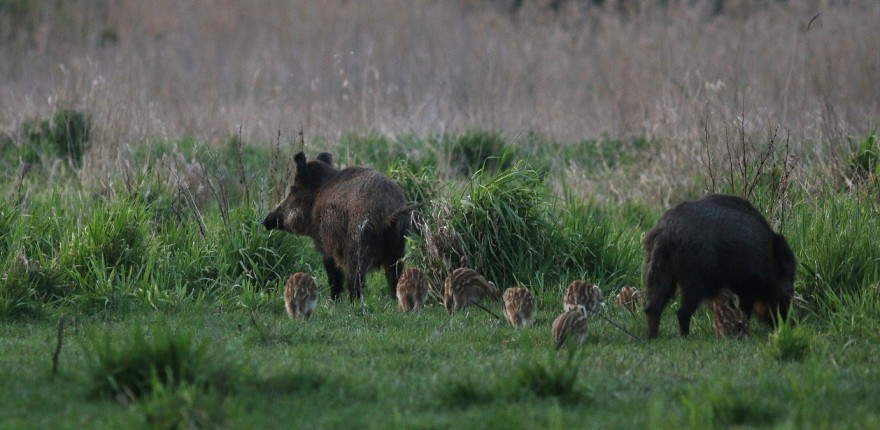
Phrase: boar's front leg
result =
(356, 285)
(334, 277)
(392, 275)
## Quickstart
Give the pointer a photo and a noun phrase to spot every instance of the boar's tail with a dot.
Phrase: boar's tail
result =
(650, 240)
(400, 214)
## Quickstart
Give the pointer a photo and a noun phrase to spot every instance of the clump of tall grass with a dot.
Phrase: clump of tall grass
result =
(248, 252)
(117, 234)
(65, 134)
(852, 313)
(103, 257)
(556, 378)
(134, 366)
(605, 241)
(719, 405)
(184, 407)
(16, 291)
(500, 225)
(467, 392)
(29, 273)
(477, 150)
(8, 219)
(373, 150)
(509, 227)
(418, 184)
(834, 239)
(790, 342)
(864, 163)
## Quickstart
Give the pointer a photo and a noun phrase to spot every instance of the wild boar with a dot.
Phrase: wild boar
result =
(300, 295)
(464, 287)
(716, 242)
(519, 306)
(727, 318)
(357, 218)
(570, 327)
(630, 298)
(412, 289)
(582, 293)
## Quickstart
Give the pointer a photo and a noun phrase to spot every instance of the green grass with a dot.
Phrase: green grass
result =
(391, 369)
(174, 316)
(65, 134)
(135, 366)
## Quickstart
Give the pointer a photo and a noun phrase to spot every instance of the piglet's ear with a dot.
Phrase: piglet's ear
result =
(303, 175)
(326, 157)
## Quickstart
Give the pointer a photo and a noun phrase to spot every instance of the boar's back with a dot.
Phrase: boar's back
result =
(719, 238)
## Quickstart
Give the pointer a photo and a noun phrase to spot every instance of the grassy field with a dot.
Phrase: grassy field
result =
(387, 369)
(172, 314)
(143, 142)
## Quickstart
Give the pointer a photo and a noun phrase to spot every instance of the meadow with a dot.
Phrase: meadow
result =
(143, 142)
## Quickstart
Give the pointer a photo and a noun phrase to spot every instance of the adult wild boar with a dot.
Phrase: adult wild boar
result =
(356, 216)
(716, 242)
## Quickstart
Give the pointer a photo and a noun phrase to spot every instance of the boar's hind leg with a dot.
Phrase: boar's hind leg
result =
(660, 288)
(392, 275)
(334, 277)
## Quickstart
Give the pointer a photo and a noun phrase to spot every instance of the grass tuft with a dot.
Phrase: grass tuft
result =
(556, 378)
(418, 184)
(249, 253)
(184, 407)
(864, 163)
(66, 134)
(466, 393)
(134, 368)
(511, 229)
(479, 150)
(719, 405)
(790, 343)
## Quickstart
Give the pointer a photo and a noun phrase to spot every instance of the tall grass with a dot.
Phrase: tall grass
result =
(143, 241)
(134, 248)
(838, 256)
(511, 228)
(143, 72)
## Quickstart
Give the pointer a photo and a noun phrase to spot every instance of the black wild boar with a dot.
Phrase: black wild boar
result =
(713, 243)
(356, 216)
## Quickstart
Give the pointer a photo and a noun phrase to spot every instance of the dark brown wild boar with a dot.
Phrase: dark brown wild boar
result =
(356, 216)
(717, 242)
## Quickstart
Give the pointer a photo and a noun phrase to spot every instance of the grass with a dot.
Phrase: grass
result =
(790, 343)
(175, 308)
(409, 370)
(135, 187)
(135, 366)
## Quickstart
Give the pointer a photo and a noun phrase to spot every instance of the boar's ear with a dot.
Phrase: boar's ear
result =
(303, 175)
(326, 157)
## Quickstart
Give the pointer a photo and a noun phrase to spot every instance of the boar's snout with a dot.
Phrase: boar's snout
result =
(272, 222)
